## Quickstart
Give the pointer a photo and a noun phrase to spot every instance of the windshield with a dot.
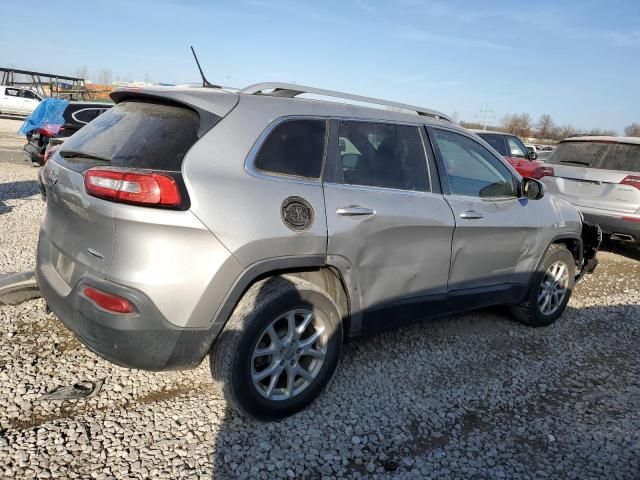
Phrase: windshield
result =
(604, 155)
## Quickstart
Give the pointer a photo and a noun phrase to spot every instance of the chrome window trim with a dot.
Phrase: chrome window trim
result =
(516, 176)
(249, 164)
(369, 188)
(421, 133)
(73, 115)
(485, 145)
(251, 169)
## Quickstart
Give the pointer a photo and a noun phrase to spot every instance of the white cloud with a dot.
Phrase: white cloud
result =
(417, 35)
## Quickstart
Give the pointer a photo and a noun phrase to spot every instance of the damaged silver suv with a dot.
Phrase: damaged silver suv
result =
(264, 229)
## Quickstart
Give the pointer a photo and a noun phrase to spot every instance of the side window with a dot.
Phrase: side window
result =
(472, 170)
(295, 147)
(30, 95)
(516, 148)
(382, 155)
(12, 92)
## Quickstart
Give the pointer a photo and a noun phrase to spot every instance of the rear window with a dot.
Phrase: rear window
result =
(134, 134)
(497, 142)
(607, 156)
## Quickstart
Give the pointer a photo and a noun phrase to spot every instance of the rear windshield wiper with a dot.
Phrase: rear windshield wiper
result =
(89, 156)
(575, 161)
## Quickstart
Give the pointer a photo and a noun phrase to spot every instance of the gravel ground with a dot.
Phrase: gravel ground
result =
(474, 396)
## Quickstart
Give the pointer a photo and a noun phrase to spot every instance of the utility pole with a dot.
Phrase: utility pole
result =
(484, 114)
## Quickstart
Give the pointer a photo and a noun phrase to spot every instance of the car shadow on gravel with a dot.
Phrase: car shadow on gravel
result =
(16, 191)
(477, 395)
(626, 249)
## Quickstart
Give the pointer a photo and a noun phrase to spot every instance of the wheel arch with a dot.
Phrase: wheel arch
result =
(573, 244)
(312, 268)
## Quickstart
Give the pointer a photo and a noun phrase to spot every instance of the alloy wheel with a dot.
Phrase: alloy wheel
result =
(289, 354)
(553, 288)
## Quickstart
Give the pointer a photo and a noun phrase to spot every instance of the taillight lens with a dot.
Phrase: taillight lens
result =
(108, 301)
(49, 153)
(50, 130)
(632, 180)
(151, 189)
(543, 171)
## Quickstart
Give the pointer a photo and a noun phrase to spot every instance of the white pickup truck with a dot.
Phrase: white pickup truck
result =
(18, 100)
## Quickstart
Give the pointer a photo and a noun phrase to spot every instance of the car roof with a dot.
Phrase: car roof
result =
(299, 106)
(603, 138)
(490, 132)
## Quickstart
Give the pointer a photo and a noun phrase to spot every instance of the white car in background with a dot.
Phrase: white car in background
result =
(18, 100)
(601, 176)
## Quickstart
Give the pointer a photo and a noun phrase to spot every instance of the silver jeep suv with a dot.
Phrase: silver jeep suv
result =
(265, 229)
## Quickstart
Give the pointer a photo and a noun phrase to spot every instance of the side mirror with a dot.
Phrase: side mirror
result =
(533, 155)
(532, 188)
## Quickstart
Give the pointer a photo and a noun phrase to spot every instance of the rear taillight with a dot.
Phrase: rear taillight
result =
(150, 189)
(544, 171)
(49, 153)
(108, 301)
(632, 180)
(49, 130)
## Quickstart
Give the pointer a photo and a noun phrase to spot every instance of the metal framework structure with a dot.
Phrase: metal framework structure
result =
(289, 90)
(46, 84)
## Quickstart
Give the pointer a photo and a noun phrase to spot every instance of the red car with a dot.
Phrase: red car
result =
(514, 151)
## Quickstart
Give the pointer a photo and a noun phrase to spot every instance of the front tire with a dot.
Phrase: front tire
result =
(550, 289)
(279, 349)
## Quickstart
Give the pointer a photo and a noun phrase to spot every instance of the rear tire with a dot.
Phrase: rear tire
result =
(259, 341)
(550, 289)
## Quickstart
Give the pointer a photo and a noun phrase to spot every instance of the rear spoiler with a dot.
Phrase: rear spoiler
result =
(211, 105)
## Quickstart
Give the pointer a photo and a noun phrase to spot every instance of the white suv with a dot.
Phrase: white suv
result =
(18, 101)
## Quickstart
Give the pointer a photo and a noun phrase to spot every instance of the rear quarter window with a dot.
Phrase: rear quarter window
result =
(85, 115)
(134, 134)
(294, 147)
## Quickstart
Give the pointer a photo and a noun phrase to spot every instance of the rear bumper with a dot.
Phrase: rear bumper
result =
(615, 224)
(143, 340)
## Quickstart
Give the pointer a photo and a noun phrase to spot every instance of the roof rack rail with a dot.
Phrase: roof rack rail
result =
(288, 90)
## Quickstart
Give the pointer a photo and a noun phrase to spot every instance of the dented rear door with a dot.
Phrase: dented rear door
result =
(383, 216)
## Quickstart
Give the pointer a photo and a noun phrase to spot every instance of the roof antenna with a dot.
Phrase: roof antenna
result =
(205, 83)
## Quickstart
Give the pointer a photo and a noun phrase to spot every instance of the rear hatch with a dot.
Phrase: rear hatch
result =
(598, 174)
(139, 135)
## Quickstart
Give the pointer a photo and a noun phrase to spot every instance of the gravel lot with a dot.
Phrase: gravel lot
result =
(474, 396)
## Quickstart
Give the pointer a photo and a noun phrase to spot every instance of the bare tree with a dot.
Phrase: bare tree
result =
(603, 132)
(517, 124)
(632, 130)
(82, 72)
(565, 131)
(545, 126)
(105, 77)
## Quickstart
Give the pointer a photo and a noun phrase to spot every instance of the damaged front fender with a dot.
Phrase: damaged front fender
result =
(591, 240)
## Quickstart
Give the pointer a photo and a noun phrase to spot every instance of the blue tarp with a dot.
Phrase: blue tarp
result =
(48, 114)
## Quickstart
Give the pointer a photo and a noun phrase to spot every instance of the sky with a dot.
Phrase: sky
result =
(575, 60)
